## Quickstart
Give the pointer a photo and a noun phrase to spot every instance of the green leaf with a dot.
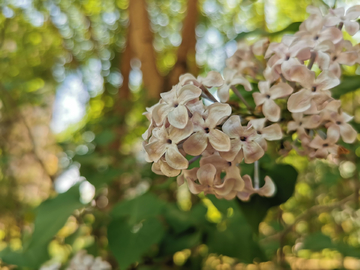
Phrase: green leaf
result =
(348, 84)
(284, 177)
(317, 242)
(236, 240)
(129, 242)
(51, 216)
(291, 28)
(105, 137)
(174, 243)
(142, 207)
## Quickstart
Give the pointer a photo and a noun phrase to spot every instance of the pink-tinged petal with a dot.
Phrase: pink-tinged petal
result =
(271, 49)
(302, 75)
(170, 96)
(230, 155)
(218, 112)
(186, 78)
(180, 180)
(339, 12)
(287, 66)
(270, 74)
(219, 140)
(206, 174)
(300, 101)
(252, 152)
(281, 90)
(304, 54)
(268, 189)
(317, 142)
(348, 133)
(175, 159)
(179, 117)
(177, 135)
(326, 80)
(347, 58)
(196, 144)
(297, 116)
(259, 98)
(335, 69)
(331, 33)
(323, 60)
(196, 106)
(262, 142)
(257, 124)
(155, 150)
(241, 80)
(333, 134)
(272, 132)
(198, 121)
(351, 27)
(168, 171)
(155, 167)
(234, 173)
(191, 174)
(345, 116)
(248, 189)
(223, 93)
(231, 126)
(264, 87)
(292, 125)
(331, 20)
(354, 9)
(213, 79)
(160, 112)
(312, 122)
(188, 92)
(194, 188)
(271, 110)
(225, 188)
(321, 153)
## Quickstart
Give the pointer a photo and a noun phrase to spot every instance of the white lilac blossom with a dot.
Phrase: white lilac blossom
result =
(225, 134)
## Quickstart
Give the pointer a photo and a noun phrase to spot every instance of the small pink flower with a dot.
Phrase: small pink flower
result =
(173, 106)
(162, 168)
(347, 132)
(232, 77)
(266, 98)
(342, 54)
(244, 142)
(325, 146)
(164, 141)
(267, 190)
(269, 133)
(314, 88)
(205, 130)
(337, 16)
(301, 123)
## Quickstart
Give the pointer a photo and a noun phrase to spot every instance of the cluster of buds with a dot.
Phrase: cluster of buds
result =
(189, 123)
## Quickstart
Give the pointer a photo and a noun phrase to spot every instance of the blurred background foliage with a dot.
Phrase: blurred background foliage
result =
(75, 77)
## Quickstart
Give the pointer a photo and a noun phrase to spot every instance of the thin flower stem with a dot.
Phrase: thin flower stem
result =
(322, 134)
(194, 159)
(256, 175)
(312, 60)
(208, 94)
(238, 94)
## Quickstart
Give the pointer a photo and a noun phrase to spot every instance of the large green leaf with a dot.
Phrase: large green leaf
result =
(142, 207)
(348, 84)
(284, 177)
(129, 242)
(235, 237)
(51, 216)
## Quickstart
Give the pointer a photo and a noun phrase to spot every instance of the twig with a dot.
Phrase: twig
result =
(194, 159)
(340, 25)
(208, 94)
(238, 94)
(312, 60)
(256, 175)
(310, 211)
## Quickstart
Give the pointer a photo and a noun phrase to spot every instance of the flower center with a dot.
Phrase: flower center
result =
(287, 57)
(169, 141)
(325, 145)
(300, 123)
(334, 58)
(259, 132)
(267, 96)
(207, 130)
(176, 105)
(313, 89)
(229, 163)
(338, 122)
(242, 138)
(316, 37)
